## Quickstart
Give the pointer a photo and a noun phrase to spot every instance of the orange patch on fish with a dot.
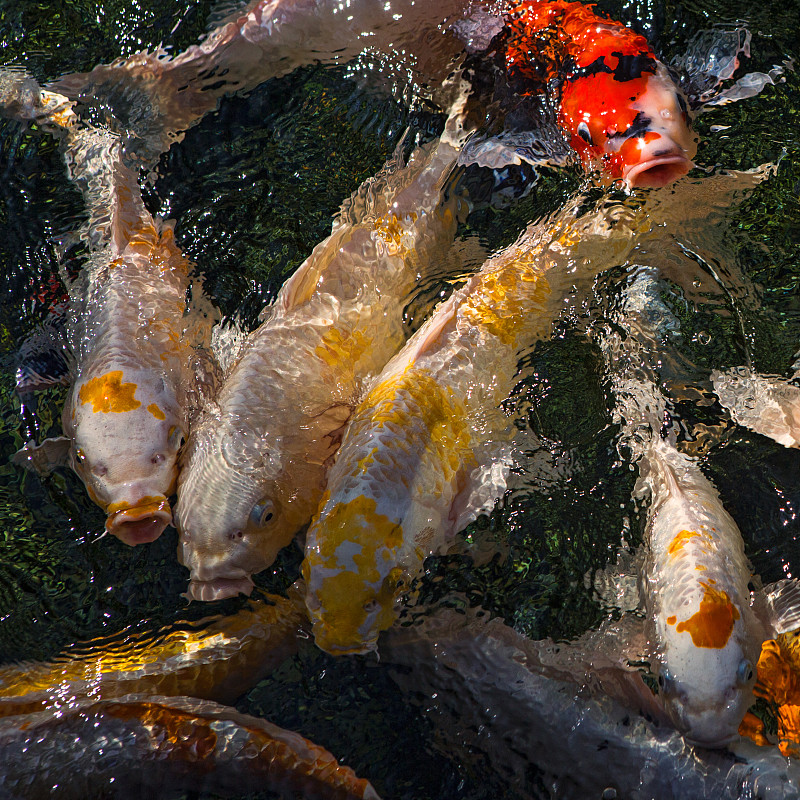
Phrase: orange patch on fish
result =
(156, 411)
(712, 625)
(672, 620)
(677, 544)
(108, 393)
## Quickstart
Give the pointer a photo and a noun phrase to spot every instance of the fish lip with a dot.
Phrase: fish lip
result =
(120, 523)
(653, 173)
(219, 588)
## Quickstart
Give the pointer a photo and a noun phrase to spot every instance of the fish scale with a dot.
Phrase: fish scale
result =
(255, 465)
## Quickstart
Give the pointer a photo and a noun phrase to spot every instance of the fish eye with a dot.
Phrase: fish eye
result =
(262, 513)
(80, 455)
(157, 458)
(176, 437)
(744, 672)
(665, 682)
(585, 133)
(371, 605)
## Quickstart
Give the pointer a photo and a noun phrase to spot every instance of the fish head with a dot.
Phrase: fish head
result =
(707, 669)
(230, 516)
(638, 129)
(127, 429)
(352, 575)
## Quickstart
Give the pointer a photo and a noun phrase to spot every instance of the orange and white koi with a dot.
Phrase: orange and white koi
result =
(132, 336)
(218, 658)
(428, 448)
(617, 103)
(166, 746)
(256, 462)
(705, 636)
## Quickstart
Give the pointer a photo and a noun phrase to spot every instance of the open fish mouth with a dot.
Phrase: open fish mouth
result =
(653, 173)
(140, 524)
(219, 588)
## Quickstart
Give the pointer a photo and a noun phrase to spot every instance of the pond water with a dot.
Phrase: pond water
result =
(252, 189)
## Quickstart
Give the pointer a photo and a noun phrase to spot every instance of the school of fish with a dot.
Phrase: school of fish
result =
(385, 445)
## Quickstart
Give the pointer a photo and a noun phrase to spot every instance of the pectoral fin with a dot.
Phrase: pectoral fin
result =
(781, 606)
(44, 458)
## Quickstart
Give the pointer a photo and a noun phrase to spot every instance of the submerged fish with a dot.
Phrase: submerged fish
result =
(490, 690)
(134, 341)
(427, 449)
(219, 658)
(705, 635)
(766, 404)
(166, 746)
(256, 462)
(617, 103)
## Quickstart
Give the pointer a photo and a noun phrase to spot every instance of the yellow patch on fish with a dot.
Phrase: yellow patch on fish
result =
(343, 595)
(339, 348)
(680, 540)
(108, 393)
(156, 411)
(506, 299)
(712, 625)
(149, 503)
(392, 230)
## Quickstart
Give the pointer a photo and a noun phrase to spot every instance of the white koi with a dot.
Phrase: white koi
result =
(256, 462)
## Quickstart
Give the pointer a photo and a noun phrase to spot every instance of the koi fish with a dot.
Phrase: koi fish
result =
(256, 462)
(705, 635)
(167, 746)
(428, 447)
(219, 658)
(135, 344)
(617, 104)
(489, 690)
(766, 404)
(264, 39)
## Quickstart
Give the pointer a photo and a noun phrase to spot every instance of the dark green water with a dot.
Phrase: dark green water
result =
(252, 190)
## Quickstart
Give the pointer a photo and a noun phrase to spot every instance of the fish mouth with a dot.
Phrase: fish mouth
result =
(654, 173)
(140, 524)
(218, 588)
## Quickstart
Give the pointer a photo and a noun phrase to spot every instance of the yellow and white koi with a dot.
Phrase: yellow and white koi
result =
(132, 336)
(427, 449)
(256, 462)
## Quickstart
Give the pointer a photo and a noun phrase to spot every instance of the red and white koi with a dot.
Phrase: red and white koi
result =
(617, 103)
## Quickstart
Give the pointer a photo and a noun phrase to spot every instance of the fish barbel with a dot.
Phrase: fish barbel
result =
(427, 449)
(134, 339)
(617, 103)
(255, 463)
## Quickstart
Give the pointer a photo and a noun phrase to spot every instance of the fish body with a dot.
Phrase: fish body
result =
(256, 462)
(218, 659)
(427, 449)
(132, 337)
(706, 634)
(616, 102)
(167, 746)
(489, 690)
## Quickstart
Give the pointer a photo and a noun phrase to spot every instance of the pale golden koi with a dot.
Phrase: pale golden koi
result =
(219, 658)
(256, 462)
(133, 338)
(427, 449)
